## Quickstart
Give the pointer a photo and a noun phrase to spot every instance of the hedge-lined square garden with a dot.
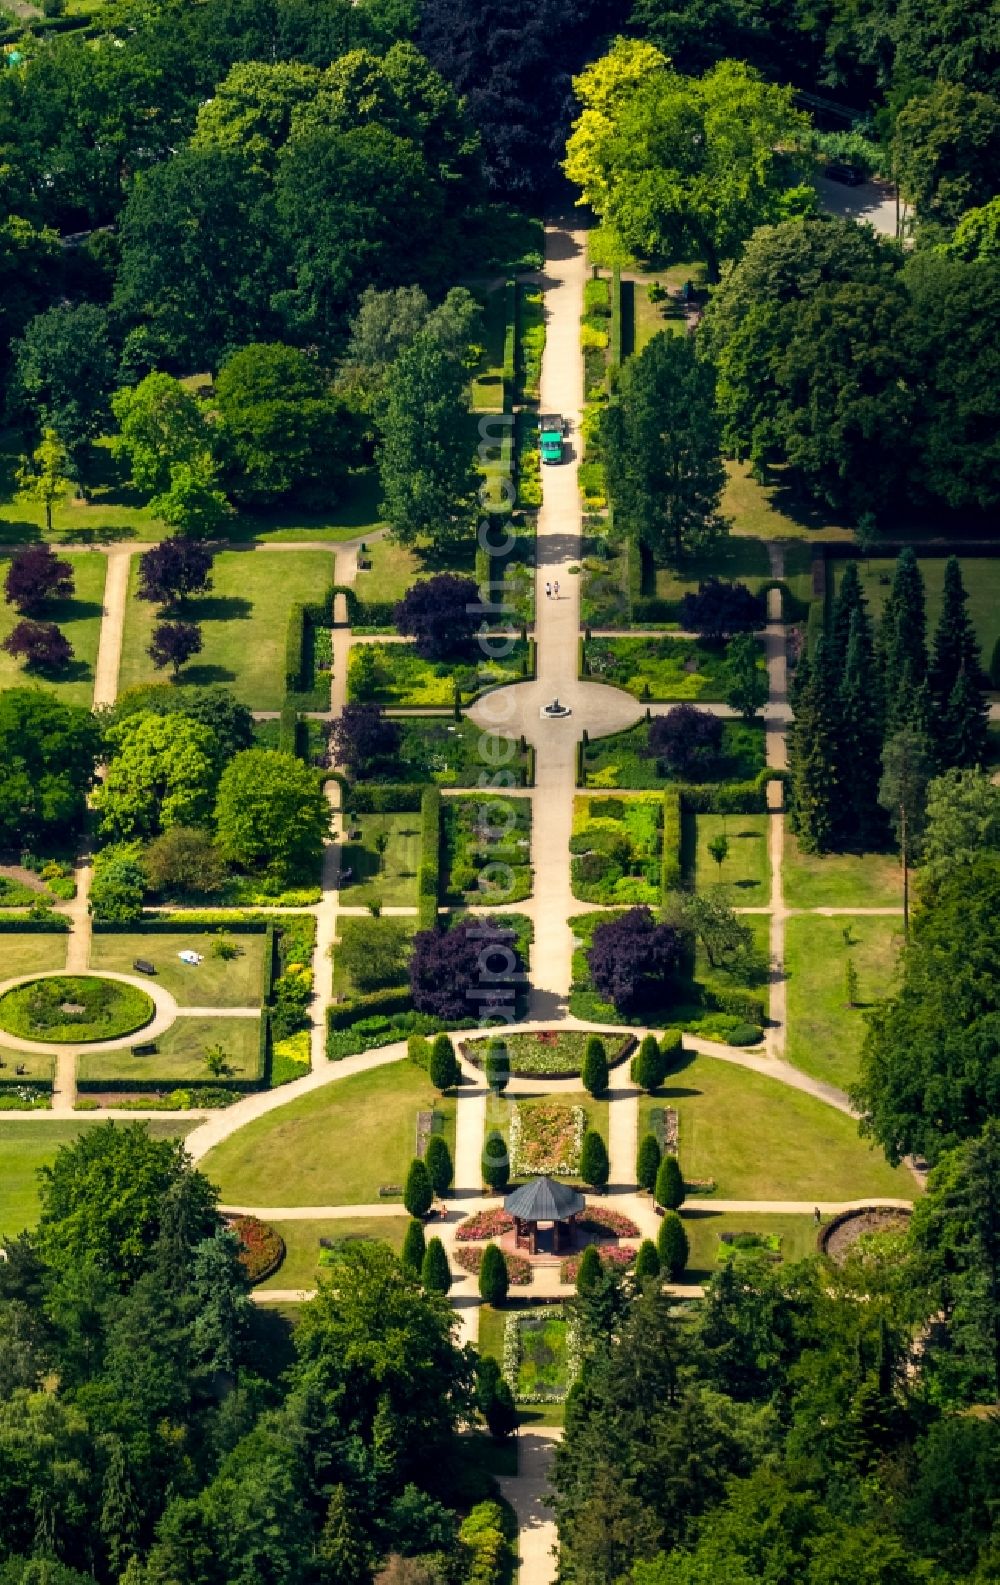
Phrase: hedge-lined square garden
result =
(231, 973)
(744, 868)
(179, 1057)
(79, 620)
(383, 858)
(394, 675)
(617, 850)
(839, 880)
(486, 849)
(244, 622)
(623, 759)
(453, 753)
(713, 1237)
(660, 668)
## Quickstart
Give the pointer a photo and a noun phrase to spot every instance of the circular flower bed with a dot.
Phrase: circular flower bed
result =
(262, 1248)
(75, 1008)
(485, 1224)
(616, 1257)
(518, 1269)
(599, 1219)
(839, 1236)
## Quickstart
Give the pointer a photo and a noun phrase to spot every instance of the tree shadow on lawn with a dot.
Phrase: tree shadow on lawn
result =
(73, 671)
(202, 676)
(73, 610)
(217, 608)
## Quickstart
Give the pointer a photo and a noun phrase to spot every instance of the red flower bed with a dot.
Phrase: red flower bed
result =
(485, 1224)
(598, 1219)
(262, 1249)
(518, 1269)
(614, 1256)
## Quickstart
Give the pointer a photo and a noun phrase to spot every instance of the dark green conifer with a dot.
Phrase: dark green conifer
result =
(903, 640)
(963, 733)
(860, 822)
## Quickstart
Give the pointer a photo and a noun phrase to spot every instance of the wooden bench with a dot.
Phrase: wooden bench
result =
(143, 966)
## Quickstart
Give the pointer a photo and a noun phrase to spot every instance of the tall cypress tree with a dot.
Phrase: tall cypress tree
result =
(903, 640)
(959, 711)
(850, 601)
(861, 822)
(962, 731)
(813, 753)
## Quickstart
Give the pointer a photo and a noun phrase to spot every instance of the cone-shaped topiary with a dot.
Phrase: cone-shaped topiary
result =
(412, 1257)
(417, 1191)
(588, 1273)
(647, 1262)
(494, 1399)
(648, 1065)
(443, 1067)
(497, 1066)
(672, 1246)
(435, 1273)
(669, 1190)
(594, 1165)
(437, 1160)
(647, 1162)
(496, 1161)
(493, 1278)
(595, 1067)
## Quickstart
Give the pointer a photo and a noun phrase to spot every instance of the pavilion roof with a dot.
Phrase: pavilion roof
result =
(544, 1200)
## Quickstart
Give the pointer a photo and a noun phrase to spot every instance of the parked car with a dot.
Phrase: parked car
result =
(850, 175)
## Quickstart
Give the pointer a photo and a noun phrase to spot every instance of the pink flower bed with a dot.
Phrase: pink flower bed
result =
(616, 1257)
(485, 1224)
(598, 1218)
(518, 1269)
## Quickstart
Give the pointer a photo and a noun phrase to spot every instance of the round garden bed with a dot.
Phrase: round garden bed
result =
(839, 1236)
(550, 1053)
(75, 1009)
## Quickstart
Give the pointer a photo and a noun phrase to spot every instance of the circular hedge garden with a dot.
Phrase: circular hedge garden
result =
(74, 1008)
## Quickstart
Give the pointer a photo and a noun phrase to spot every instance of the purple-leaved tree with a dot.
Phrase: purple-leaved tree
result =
(632, 960)
(35, 576)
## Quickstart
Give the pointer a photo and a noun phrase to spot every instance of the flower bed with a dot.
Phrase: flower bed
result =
(615, 1257)
(74, 1008)
(600, 1219)
(470, 1258)
(546, 1137)
(550, 1054)
(262, 1248)
(541, 1354)
(485, 1224)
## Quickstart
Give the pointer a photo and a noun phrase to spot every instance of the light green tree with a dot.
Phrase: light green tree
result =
(160, 774)
(161, 426)
(45, 477)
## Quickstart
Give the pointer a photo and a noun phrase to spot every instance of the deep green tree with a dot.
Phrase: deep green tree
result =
(49, 751)
(745, 679)
(860, 822)
(493, 1276)
(343, 1546)
(425, 464)
(417, 1191)
(647, 1262)
(965, 724)
(595, 1067)
(496, 1161)
(850, 598)
(648, 1068)
(494, 1399)
(902, 640)
(64, 369)
(907, 768)
(270, 813)
(444, 1070)
(954, 649)
(648, 1160)
(283, 431)
(588, 1272)
(496, 1065)
(437, 1159)
(672, 1246)
(669, 1188)
(414, 1248)
(814, 742)
(435, 1272)
(594, 1165)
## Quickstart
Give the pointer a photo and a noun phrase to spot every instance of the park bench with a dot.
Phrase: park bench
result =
(389, 1191)
(143, 966)
(147, 1049)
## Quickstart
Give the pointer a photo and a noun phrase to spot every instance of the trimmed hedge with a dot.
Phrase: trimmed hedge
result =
(168, 924)
(52, 924)
(267, 982)
(616, 317)
(299, 681)
(373, 798)
(670, 843)
(429, 877)
(510, 345)
(396, 999)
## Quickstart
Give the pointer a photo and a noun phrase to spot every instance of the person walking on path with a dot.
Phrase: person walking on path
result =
(548, 591)
(555, 588)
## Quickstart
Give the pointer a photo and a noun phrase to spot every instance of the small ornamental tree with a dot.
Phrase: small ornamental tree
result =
(718, 847)
(686, 740)
(588, 1273)
(669, 1190)
(745, 682)
(721, 609)
(173, 644)
(595, 1067)
(647, 1262)
(444, 1069)
(496, 1161)
(437, 1160)
(414, 1247)
(46, 477)
(595, 1168)
(493, 1276)
(647, 1162)
(417, 1192)
(363, 738)
(40, 645)
(173, 570)
(648, 1065)
(441, 615)
(672, 1246)
(496, 1067)
(435, 1272)
(35, 576)
(631, 960)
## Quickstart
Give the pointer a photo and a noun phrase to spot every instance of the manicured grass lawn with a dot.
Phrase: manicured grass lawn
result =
(839, 880)
(79, 619)
(660, 668)
(180, 1053)
(740, 560)
(761, 1140)
(451, 753)
(825, 1035)
(487, 378)
(391, 880)
(746, 869)
(212, 983)
(335, 1146)
(396, 676)
(300, 1267)
(980, 574)
(621, 760)
(244, 622)
(394, 569)
(31, 953)
(651, 318)
(26, 1146)
(771, 511)
(797, 1234)
(36, 1064)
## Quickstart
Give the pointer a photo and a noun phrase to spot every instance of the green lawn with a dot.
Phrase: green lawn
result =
(244, 623)
(621, 758)
(797, 1234)
(771, 511)
(36, 1064)
(300, 1267)
(660, 668)
(26, 1146)
(824, 1033)
(212, 983)
(746, 869)
(839, 880)
(487, 377)
(31, 953)
(980, 574)
(394, 569)
(391, 879)
(79, 618)
(335, 1146)
(180, 1054)
(761, 1140)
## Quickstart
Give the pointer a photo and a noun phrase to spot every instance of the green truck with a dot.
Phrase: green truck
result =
(551, 431)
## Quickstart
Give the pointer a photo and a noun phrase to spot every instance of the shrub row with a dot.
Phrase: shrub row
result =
(396, 999)
(50, 924)
(429, 878)
(374, 798)
(510, 345)
(166, 924)
(670, 843)
(270, 955)
(299, 680)
(616, 317)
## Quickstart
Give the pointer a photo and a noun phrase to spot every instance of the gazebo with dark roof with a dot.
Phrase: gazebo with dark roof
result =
(542, 1200)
